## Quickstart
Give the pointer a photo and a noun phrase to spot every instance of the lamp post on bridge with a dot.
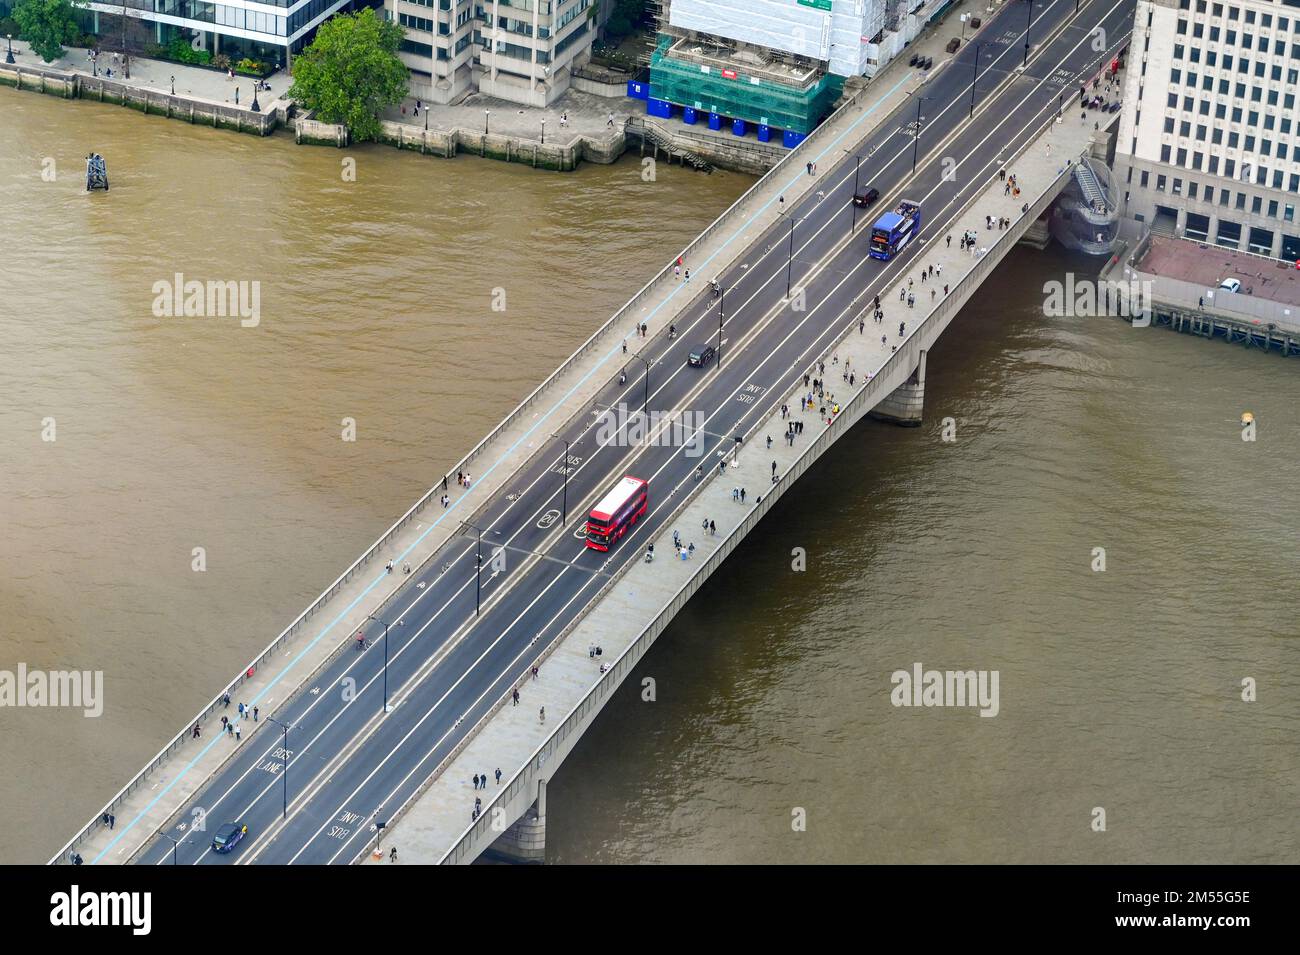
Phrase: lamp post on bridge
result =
(645, 409)
(916, 138)
(285, 727)
(722, 317)
(371, 616)
(175, 845)
(1028, 24)
(478, 567)
(856, 186)
(564, 507)
(974, 77)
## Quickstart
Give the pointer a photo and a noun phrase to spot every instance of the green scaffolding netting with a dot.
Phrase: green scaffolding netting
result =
(765, 102)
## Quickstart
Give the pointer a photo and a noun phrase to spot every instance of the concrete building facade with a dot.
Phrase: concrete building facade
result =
(1209, 137)
(516, 50)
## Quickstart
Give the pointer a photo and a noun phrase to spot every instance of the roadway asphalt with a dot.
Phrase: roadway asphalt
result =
(349, 763)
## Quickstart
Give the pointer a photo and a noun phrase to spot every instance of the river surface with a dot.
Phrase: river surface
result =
(1118, 689)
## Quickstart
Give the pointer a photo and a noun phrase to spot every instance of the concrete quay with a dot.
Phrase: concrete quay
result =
(888, 366)
(152, 800)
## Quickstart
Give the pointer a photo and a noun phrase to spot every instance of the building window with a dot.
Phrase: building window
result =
(1145, 177)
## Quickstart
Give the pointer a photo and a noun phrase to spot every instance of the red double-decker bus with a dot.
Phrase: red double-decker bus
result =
(617, 511)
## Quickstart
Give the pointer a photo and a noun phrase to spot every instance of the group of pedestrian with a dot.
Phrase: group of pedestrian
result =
(462, 478)
(1003, 222)
(738, 494)
(709, 527)
(968, 239)
(480, 780)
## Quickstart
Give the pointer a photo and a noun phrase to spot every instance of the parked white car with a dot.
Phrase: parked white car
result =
(1230, 285)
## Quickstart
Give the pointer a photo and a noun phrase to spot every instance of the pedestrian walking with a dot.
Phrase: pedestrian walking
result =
(515, 697)
(948, 246)
(225, 721)
(901, 327)
(911, 301)
(476, 780)
(713, 529)
(742, 495)
(773, 467)
(237, 731)
(534, 673)
(195, 734)
(225, 701)
(688, 275)
(241, 710)
(541, 715)
(392, 854)
(498, 776)
(677, 271)
(610, 121)
(255, 711)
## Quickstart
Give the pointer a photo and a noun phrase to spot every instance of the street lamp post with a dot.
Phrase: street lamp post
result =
(385, 623)
(789, 262)
(1028, 24)
(564, 507)
(285, 727)
(916, 138)
(256, 107)
(974, 76)
(173, 86)
(543, 131)
(645, 409)
(175, 845)
(9, 54)
(854, 205)
(722, 312)
(486, 114)
(478, 567)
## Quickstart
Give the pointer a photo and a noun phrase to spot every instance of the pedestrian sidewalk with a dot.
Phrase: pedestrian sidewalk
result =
(149, 804)
(155, 76)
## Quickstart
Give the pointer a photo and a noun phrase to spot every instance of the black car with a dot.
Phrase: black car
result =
(866, 197)
(229, 836)
(699, 357)
(929, 62)
(915, 58)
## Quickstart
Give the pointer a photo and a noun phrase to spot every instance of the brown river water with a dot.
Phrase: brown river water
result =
(1119, 689)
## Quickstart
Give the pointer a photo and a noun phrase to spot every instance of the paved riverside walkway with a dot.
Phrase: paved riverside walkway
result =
(440, 816)
(192, 82)
(149, 804)
(588, 115)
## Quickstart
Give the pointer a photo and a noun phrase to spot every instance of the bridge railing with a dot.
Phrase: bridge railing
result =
(899, 364)
(624, 314)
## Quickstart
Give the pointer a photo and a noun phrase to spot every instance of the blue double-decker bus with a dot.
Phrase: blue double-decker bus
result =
(894, 230)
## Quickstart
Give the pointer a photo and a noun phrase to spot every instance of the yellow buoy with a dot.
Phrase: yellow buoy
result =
(1247, 417)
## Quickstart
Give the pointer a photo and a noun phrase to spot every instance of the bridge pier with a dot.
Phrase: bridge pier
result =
(524, 843)
(905, 404)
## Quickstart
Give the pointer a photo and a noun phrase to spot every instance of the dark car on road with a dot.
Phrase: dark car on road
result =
(699, 357)
(229, 836)
(866, 197)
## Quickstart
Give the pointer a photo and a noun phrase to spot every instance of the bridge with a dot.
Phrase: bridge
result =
(485, 591)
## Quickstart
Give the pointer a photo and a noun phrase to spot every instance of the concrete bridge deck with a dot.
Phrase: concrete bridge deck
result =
(890, 383)
(451, 668)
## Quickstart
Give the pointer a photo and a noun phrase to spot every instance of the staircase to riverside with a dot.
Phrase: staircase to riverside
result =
(667, 143)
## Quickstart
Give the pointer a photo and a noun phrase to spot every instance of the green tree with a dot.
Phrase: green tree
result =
(47, 25)
(351, 73)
